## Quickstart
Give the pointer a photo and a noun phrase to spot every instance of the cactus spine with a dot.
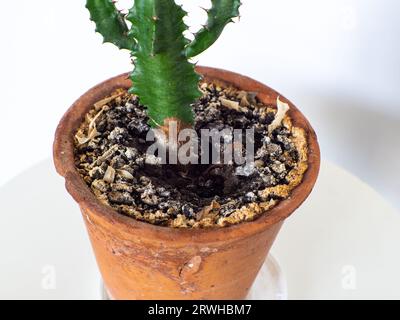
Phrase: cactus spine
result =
(110, 23)
(221, 13)
(163, 78)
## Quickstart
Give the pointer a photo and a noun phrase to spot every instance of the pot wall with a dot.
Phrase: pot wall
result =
(136, 268)
(142, 261)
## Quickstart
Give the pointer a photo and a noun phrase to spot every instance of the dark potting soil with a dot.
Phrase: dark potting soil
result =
(111, 157)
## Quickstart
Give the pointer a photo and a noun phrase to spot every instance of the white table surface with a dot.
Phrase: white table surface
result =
(342, 243)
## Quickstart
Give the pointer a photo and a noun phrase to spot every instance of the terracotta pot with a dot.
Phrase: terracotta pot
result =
(142, 261)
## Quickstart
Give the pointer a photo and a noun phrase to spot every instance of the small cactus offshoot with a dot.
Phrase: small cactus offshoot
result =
(163, 78)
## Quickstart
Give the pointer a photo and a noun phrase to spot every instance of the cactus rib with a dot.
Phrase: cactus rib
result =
(221, 13)
(163, 78)
(110, 23)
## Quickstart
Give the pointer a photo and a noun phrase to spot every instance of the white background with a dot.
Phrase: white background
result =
(337, 60)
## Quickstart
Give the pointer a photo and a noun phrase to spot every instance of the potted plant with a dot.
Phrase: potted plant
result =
(176, 229)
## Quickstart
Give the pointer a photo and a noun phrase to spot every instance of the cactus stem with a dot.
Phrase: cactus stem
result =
(163, 78)
(219, 15)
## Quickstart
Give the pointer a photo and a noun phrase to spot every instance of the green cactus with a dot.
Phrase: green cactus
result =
(163, 78)
(221, 13)
(110, 23)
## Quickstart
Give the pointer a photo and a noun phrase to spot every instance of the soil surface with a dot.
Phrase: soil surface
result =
(111, 157)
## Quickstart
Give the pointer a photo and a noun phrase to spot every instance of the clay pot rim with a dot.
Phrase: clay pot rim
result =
(63, 153)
